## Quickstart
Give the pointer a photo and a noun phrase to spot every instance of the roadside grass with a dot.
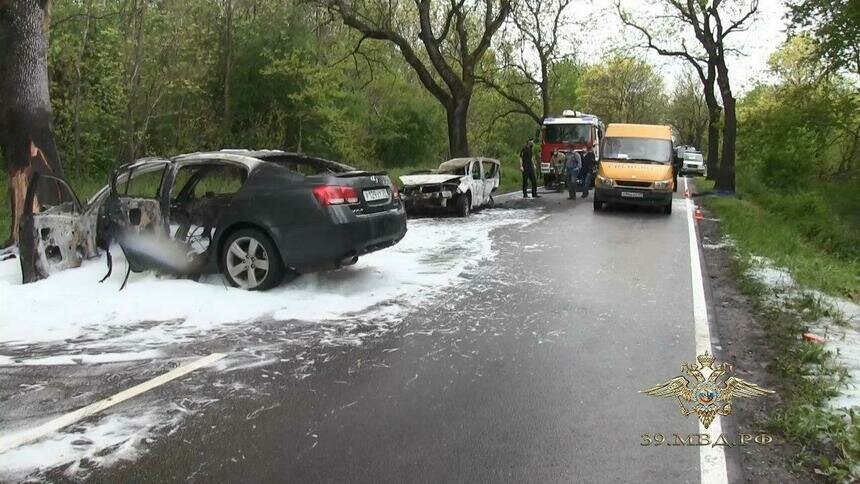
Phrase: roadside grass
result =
(829, 438)
(812, 235)
(818, 243)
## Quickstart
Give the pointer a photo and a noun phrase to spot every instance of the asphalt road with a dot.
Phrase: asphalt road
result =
(527, 372)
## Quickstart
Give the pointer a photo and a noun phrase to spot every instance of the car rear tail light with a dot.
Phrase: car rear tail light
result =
(395, 193)
(335, 195)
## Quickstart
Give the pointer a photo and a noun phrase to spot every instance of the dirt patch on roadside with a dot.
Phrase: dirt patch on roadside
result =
(744, 344)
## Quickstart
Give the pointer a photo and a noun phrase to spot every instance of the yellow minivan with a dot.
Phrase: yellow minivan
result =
(636, 166)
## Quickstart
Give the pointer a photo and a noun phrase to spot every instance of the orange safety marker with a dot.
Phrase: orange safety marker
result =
(698, 214)
(812, 338)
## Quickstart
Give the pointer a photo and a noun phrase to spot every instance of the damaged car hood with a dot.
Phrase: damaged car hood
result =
(427, 179)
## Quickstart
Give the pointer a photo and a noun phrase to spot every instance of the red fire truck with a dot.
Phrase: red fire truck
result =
(572, 131)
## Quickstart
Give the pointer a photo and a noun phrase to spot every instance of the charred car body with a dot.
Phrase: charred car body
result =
(254, 216)
(460, 184)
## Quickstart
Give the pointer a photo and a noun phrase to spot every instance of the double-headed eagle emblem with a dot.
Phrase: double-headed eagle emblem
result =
(710, 396)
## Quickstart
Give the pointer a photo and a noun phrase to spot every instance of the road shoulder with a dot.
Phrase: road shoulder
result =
(744, 343)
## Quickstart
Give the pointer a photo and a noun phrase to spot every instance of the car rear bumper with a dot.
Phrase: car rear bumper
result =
(624, 195)
(697, 169)
(331, 245)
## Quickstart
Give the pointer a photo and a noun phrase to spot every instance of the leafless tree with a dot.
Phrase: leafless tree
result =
(453, 36)
(536, 33)
(711, 22)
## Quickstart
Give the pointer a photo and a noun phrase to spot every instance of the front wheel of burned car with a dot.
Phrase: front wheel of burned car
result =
(250, 260)
(464, 205)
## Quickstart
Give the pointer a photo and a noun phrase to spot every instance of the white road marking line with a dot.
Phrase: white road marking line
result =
(539, 219)
(508, 194)
(712, 460)
(22, 437)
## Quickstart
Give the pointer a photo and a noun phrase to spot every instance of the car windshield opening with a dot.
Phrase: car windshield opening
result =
(638, 149)
(567, 133)
(452, 170)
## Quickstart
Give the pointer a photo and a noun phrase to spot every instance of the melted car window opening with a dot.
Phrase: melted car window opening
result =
(199, 181)
(145, 181)
(459, 171)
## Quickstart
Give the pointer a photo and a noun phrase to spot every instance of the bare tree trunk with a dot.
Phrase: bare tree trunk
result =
(714, 115)
(76, 109)
(26, 134)
(226, 119)
(726, 175)
(133, 73)
(458, 142)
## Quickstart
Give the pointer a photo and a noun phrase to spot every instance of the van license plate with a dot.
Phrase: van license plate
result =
(632, 194)
(374, 195)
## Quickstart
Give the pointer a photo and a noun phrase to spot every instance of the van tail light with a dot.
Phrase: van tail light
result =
(335, 195)
(395, 193)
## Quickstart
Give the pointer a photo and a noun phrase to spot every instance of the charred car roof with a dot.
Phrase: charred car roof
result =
(461, 162)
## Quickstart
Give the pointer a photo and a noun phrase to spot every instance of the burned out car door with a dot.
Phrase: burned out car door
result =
(135, 212)
(477, 183)
(491, 178)
(54, 238)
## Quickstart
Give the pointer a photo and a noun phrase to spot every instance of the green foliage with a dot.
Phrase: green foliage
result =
(623, 89)
(834, 25)
(688, 112)
(804, 128)
(808, 238)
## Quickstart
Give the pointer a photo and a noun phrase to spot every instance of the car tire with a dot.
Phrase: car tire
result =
(598, 205)
(266, 268)
(464, 204)
(668, 208)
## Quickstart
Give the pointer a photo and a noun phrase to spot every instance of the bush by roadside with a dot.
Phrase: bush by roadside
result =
(815, 233)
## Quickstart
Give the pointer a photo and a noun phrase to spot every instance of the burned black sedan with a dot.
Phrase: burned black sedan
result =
(254, 216)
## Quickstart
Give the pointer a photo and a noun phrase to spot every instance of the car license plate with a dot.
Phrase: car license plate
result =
(632, 194)
(544, 168)
(377, 194)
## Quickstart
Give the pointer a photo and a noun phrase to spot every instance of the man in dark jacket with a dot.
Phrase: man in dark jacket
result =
(528, 169)
(587, 170)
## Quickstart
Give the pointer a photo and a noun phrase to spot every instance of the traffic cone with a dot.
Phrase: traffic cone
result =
(698, 213)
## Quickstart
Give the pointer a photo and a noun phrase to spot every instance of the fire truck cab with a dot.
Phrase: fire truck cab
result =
(574, 130)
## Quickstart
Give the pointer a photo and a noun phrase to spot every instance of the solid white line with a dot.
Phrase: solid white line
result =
(11, 441)
(712, 460)
(508, 194)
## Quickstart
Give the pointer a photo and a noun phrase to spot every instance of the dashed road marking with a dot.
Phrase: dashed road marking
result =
(22, 437)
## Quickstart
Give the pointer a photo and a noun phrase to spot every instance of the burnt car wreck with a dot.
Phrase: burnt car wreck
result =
(254, 216)
(460, 184)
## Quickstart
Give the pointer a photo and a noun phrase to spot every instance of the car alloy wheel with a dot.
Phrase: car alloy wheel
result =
(247, 262)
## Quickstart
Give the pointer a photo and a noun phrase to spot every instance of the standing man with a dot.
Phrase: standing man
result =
(587, 170)
(528, 169)
(573, 167)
